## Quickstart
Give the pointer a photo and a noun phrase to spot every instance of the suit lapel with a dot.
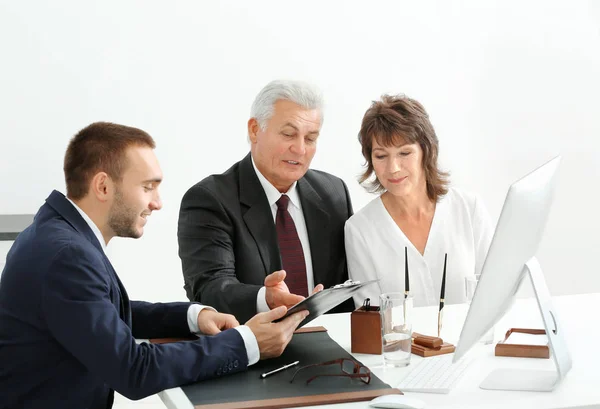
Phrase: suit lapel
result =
(63, 207)
(258, 216)
(317, 226)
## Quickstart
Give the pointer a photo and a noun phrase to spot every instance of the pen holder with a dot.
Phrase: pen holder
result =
(426, 346)
(365, 331)
(427, 352)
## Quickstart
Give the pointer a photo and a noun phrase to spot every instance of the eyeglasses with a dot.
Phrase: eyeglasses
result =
(349, 367)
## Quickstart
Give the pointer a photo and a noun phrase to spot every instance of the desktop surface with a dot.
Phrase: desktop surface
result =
(579, 388)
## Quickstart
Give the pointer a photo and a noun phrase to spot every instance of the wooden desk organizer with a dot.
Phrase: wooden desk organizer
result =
(365, 331)
(365, 336)
(426, 346)
(522, 350)
(425, 352)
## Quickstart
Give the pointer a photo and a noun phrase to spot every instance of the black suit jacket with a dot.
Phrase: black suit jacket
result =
(228, 243)
(67, 326)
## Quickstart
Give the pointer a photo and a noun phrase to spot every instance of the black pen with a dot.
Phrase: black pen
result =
(440, 313)
(406, 282)
(279, 369)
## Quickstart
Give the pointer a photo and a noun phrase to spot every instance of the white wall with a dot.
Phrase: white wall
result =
(508, 85)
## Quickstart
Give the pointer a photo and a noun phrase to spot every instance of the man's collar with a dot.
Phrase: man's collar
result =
(90, 223)
(271, 191)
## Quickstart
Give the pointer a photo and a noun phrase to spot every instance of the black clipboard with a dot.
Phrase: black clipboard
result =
(319, 303)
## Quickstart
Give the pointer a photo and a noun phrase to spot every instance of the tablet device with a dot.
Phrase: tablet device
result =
(319, 303)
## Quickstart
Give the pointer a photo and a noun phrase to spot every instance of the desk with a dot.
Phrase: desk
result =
(581, 387)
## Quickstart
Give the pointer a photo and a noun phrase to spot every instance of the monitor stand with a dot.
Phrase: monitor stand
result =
(536, 380)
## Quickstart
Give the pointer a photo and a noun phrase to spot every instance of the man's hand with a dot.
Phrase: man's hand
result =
(278, 294)
(272, 337)
(318, 288)
(211, 322)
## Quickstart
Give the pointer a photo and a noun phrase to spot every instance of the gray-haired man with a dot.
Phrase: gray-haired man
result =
(267, 213)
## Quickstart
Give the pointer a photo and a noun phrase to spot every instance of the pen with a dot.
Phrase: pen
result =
(279, 369)
(440, 313)
(406, 282)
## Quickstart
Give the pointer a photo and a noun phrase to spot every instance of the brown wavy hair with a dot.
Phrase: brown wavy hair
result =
(391, 121)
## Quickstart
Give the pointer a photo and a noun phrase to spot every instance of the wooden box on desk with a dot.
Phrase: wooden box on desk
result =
(522, 350)
(365, 331)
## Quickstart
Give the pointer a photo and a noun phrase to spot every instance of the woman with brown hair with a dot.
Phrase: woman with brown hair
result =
(416, 211)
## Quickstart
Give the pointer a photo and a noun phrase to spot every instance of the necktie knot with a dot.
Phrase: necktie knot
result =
(282, 203)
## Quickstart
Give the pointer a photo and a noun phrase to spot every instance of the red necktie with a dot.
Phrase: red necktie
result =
(290, 248)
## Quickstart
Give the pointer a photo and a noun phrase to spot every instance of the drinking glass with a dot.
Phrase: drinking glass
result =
(396, 328)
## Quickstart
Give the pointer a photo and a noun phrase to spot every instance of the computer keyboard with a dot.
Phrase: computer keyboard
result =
(436, 374)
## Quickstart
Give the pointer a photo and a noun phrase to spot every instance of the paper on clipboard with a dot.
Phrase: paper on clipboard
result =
(319, 303)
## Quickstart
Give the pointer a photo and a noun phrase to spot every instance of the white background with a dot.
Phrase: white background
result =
(508, 85)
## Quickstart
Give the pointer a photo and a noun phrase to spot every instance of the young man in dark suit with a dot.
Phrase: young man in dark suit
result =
(269, 230)
(67, 327)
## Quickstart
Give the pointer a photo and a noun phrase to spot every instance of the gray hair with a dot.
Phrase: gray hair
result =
(298, 92)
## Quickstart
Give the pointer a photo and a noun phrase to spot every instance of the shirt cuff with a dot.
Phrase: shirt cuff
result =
(261, 300)
(192, 317)
(251, 344)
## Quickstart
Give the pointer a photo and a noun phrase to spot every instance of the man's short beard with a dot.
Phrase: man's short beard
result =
(122, 218)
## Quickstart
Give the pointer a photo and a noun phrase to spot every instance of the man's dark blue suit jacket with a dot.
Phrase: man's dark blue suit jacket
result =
(68, 329)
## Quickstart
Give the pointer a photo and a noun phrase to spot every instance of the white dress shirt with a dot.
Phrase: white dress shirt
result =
(250, 342)
(461, 227)
(295, 210)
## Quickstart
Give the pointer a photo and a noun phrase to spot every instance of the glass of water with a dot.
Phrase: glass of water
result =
(396, 328)
(470, 286)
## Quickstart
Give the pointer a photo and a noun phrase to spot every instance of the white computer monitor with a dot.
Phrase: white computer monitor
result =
(510, 258)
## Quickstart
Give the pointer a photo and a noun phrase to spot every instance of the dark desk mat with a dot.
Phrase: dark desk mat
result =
(248, 390)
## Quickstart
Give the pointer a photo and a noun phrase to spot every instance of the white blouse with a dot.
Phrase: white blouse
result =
(461, 227)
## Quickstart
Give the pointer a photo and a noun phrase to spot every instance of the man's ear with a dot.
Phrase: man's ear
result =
(253, 129)
(102, 186)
